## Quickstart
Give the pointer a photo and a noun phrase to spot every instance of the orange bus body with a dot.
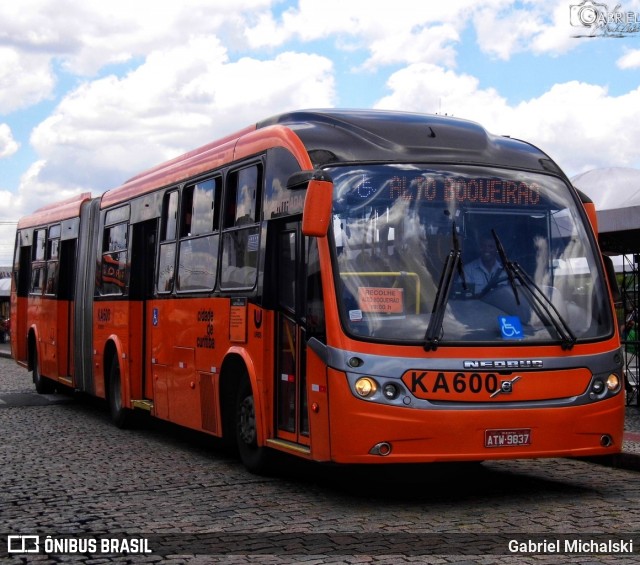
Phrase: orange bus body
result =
(201, 293)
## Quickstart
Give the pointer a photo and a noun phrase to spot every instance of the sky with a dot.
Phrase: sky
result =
(93, 92)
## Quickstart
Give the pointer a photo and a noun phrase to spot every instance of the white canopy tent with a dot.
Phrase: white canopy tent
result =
(616, 194)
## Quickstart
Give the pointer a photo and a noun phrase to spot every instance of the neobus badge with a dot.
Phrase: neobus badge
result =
(506, 364)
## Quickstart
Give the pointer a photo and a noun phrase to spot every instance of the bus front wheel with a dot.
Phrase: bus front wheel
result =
(256, 459)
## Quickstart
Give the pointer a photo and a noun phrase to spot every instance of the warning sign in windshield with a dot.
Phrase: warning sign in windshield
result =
(381, 300)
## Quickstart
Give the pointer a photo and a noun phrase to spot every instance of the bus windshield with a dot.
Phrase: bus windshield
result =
(464, 255)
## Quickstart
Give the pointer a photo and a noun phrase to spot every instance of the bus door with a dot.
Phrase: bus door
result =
(66, 288)
(19, 301)
(141, 289)
(292, 418)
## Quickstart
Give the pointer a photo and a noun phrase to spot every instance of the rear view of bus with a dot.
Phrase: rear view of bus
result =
(473, 316)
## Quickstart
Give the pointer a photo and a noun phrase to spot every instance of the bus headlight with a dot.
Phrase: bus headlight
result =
(390, 391)
(613, 382)
(597, 387)
(366, 386)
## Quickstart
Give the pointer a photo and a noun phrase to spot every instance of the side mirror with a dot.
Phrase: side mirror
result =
(317, 207)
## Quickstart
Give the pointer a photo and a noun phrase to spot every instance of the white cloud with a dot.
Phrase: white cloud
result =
(8, 145)
(392, 32)
(630, 60)
(431, 89)
(180, 98)
(405, 31)
(580, 125)
(86, 36)
(25, 79)
(508, 27)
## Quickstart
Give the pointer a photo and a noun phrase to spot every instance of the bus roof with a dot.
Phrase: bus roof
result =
(340, 136)
(328, 136)
(55, 212)
(322, 137)
(244, 143)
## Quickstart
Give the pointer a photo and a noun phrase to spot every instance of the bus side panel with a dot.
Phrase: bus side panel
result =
(111, 326)
(47, 321)
(183, 351)
(18, 328)
(318, 392)
(41, 320)
(187, 340)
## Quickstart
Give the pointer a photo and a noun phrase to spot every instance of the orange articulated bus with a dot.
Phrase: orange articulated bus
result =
(343, 286)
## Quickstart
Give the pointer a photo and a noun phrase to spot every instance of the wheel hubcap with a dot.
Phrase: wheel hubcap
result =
(247, 421)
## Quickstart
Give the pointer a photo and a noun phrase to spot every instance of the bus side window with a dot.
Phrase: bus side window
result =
(38, 265)
(198, 261)
(115, 268)
(242, 233)
(168, 234)
(53, 249)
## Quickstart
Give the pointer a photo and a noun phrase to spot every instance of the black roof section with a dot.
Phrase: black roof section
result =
(336, 136)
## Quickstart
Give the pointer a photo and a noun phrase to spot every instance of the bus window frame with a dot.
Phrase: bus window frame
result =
(115, 218)
(52, 258)
(166, 241)
(234, 228)
(38, 276)
(187, 238)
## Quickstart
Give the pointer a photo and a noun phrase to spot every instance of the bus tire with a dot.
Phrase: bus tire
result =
(43, 384)
(120, 415)
(256, 459)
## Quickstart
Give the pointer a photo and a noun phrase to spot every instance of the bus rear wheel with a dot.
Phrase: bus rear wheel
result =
(120, 415)
(256, 459)
(43, 385)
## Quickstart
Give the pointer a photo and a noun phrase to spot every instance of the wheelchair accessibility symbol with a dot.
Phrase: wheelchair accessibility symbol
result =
(510, 327)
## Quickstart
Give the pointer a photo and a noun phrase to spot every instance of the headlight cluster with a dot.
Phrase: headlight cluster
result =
(601, 386)
(369, 388)
(366, 387)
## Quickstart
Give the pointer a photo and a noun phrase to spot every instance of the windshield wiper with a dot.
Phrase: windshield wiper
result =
(508, 266)
(545, 308)
(542, 304)
(452, 263)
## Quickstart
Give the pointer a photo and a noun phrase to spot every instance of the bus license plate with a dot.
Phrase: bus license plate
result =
(507, 438)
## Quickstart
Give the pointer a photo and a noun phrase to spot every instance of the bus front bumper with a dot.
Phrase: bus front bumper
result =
(366, 432)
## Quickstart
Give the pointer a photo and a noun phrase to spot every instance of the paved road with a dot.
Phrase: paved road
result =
(66, 472)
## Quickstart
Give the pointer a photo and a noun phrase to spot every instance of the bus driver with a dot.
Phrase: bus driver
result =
(486, 269)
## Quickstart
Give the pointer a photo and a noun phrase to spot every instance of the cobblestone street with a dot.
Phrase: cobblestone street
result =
(66, 471)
